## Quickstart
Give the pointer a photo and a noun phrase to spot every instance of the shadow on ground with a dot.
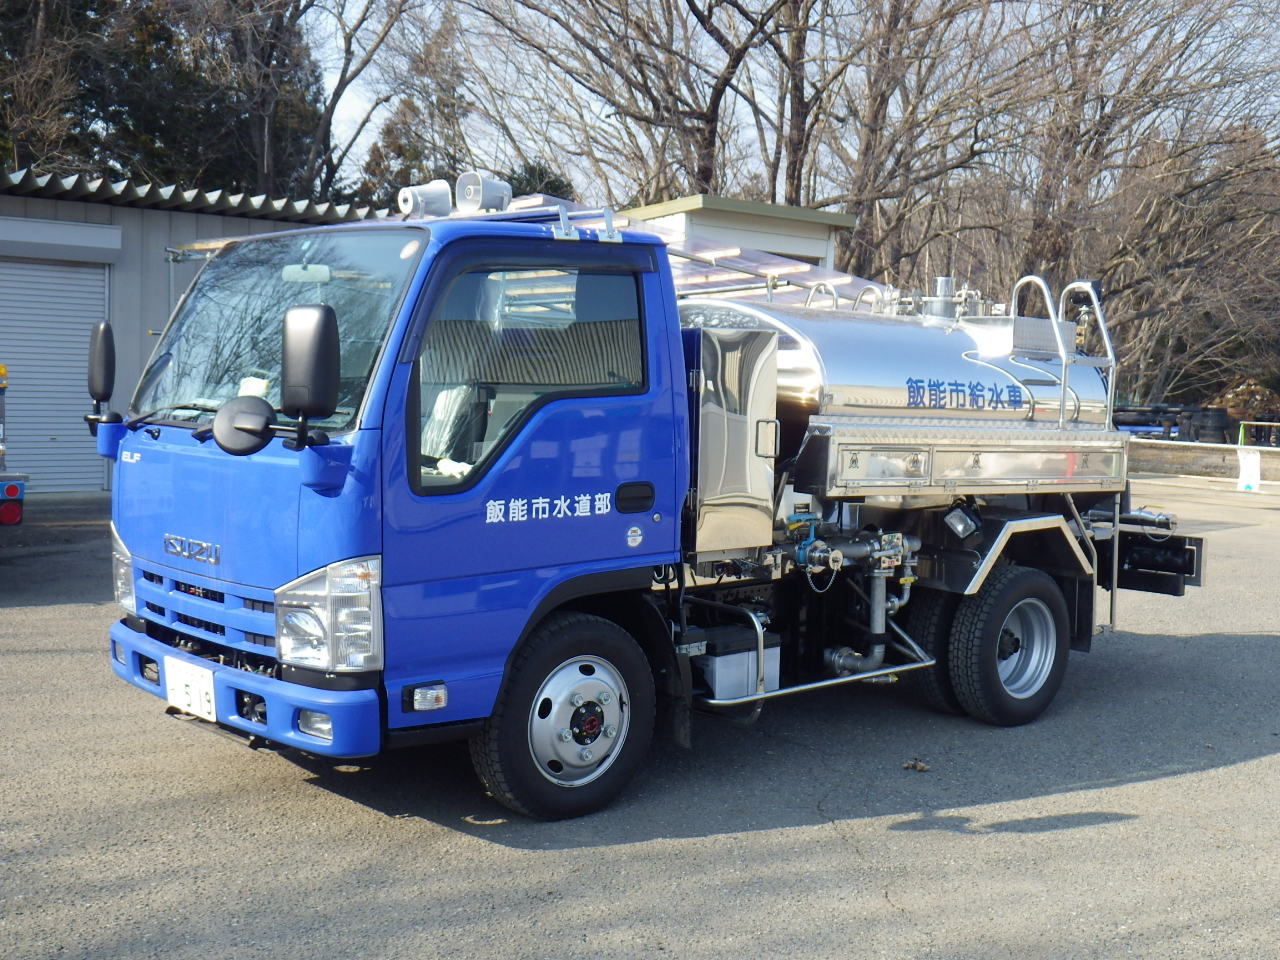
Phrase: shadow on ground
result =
(1128, 712)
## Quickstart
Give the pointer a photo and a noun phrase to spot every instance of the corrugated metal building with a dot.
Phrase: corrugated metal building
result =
(76, 250)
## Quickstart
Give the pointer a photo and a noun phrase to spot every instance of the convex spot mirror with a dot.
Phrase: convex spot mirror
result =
(243, 425)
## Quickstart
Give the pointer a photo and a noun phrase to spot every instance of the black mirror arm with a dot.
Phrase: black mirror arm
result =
(299, 442)
(97, 417)
(302, 436)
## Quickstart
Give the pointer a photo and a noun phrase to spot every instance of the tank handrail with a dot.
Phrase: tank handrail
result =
(1103, 332)
(1047, 294)
(1039, 284)
(818, 288)
(877, 296)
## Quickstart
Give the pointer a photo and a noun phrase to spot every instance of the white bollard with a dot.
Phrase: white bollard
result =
(1250, 469)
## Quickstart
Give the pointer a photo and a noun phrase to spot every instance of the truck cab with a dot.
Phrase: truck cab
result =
(506, 439)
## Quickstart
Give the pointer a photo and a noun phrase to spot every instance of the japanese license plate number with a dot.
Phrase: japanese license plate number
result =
(189, 688)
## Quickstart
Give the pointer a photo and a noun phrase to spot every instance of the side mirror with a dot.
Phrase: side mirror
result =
(310, 362)
(102, 375)
(102, 362)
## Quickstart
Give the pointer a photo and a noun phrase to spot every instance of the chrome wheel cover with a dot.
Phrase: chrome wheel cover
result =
(578, 721)
(1026, 648)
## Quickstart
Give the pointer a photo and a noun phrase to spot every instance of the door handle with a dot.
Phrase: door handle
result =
(634, 497)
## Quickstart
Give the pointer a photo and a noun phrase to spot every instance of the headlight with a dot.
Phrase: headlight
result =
(122, 573)
(331, 619)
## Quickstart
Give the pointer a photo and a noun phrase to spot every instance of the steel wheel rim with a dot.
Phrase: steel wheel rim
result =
(1026, 648)
(587, 698)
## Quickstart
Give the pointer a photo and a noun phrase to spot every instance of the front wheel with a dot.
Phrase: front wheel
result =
(573, 722)
(1009, 647)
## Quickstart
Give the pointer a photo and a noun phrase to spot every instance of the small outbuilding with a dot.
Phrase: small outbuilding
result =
(794, 232)
(76, 250)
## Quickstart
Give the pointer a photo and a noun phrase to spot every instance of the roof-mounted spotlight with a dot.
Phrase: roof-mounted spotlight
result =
(434, 199)
(477, 193)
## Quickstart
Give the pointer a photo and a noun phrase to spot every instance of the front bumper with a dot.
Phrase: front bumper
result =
(356, 714)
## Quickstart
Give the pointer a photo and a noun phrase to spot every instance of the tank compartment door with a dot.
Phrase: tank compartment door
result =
(860, 456)
(733, 396)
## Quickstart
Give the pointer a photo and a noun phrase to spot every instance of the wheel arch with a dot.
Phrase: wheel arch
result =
(1042, 542)
(623, 597)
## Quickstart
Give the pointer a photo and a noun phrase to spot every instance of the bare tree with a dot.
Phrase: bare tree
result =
(423, 136)
(1116, 78)
(1148, 160)
(360, 30)
(927, 100)
(1133, 140)
(1192, 270)
(267, 49)
(670, 69)
(37, 82)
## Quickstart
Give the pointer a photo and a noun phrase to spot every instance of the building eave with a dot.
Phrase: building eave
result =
(751, 208)
(130, 193)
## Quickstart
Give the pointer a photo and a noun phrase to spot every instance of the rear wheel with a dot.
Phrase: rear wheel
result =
(1009, 646)
(573, 723)
(928, 620)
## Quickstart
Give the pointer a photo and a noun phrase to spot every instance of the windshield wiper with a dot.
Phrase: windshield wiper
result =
(147, 417)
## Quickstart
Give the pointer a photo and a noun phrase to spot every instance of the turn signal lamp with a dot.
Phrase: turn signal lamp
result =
(425, 696)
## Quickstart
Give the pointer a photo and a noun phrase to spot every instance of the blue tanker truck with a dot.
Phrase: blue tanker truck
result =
(511, 474)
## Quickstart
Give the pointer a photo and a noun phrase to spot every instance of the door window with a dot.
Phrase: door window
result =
(503, 342)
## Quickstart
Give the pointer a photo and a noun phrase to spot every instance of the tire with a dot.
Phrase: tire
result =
(928, 620)
(576, 675)
(1009, 646)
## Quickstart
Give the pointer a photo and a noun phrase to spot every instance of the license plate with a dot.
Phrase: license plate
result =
(189, 688)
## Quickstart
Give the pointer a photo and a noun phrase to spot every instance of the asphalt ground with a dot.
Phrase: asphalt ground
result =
(1136, 818)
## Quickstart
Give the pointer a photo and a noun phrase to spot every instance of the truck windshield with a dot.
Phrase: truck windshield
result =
(226, 339)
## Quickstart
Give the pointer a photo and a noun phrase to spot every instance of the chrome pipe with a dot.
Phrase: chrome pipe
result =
(877, 603)
(816, 685)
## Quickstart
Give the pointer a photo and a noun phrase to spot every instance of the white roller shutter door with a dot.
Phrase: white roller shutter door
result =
(46, 312)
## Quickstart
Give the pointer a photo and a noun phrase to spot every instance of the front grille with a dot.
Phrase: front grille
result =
(208, 627)
(204, 593)
(214, 652)
(210, 608)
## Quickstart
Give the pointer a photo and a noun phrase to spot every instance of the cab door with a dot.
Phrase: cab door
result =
(534, 449)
